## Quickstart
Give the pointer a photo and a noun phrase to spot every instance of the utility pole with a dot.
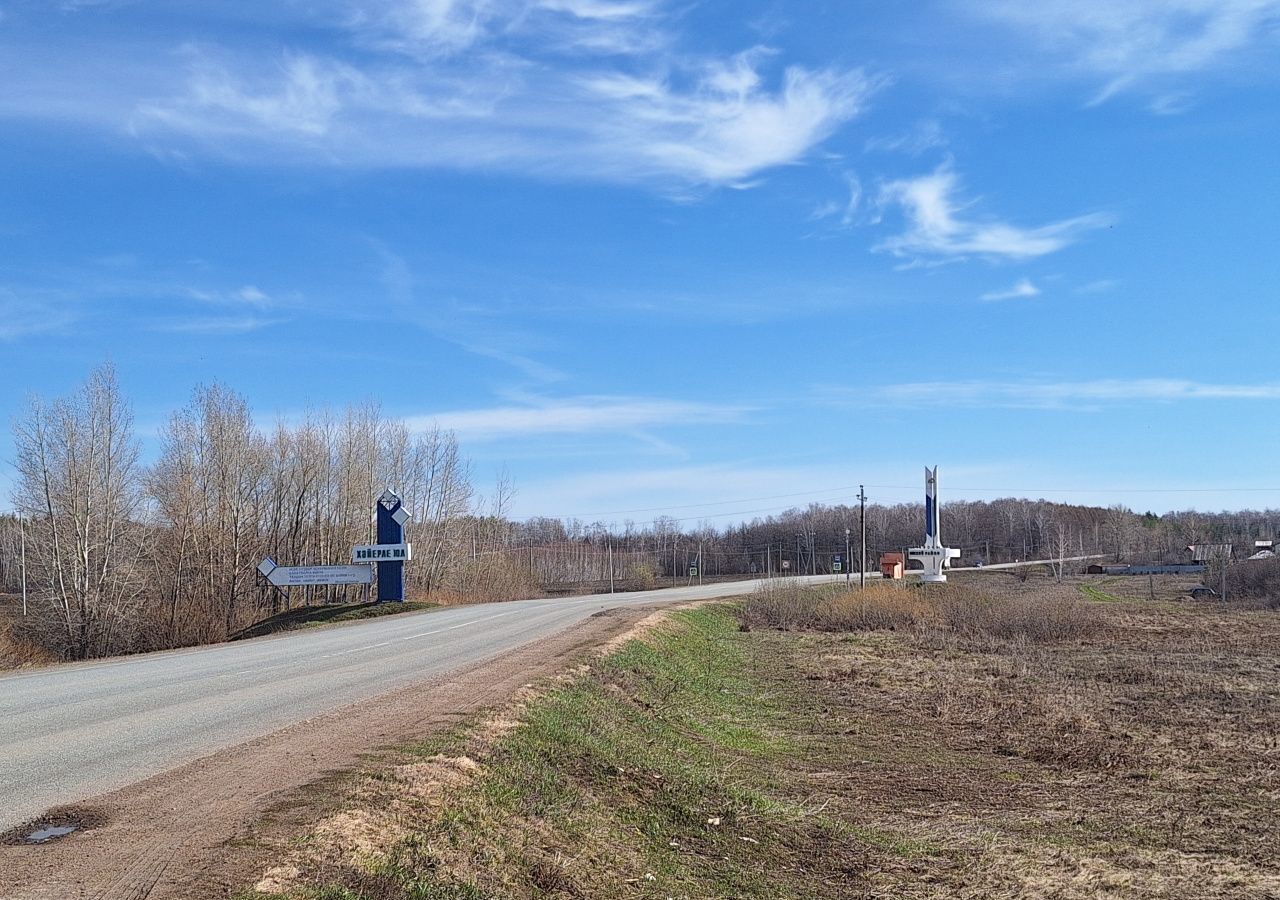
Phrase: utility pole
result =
(862, 524)
(22, 531)
(699, 563)
(611, 567)
(848, 558)
(1225, 560)
(673, 563)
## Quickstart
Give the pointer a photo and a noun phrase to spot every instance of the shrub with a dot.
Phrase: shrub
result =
(1034, 619)
(878, 607)
(959, 609)
(779, 604)
(1257, 580)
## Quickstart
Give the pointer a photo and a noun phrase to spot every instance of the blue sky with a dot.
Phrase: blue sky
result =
(702, 257)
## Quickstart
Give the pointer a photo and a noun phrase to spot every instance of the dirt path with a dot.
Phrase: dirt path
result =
(187, 833)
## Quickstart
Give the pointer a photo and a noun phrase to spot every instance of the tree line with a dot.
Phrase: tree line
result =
(121, 556)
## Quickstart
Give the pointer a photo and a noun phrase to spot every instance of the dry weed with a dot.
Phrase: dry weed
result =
(962, 609)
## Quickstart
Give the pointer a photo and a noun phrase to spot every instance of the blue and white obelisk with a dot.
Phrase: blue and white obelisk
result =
(933, 554)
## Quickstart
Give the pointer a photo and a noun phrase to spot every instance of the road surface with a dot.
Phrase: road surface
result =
(72, 732)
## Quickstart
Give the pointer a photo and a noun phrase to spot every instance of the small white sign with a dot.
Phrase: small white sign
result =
(299, 576)
(375, 553)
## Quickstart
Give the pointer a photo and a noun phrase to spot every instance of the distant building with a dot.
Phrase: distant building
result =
(1175, 569)
(1204, 553)
(891, 565)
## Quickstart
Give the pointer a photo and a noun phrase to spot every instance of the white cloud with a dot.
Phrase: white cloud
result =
(577, 415)
(428, 27)
(1066, 394)
(937, 228)
(609, 10)
(1022, 289)
(248, 295)
(215, 325)
(846, 212)
(23, 315)
(1101, 286)
(568, 88)
(923, 136)
(728, 126)
(299, 97)
(254, 295)
(1128, 41)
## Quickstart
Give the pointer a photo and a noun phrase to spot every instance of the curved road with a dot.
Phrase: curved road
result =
(72, 732)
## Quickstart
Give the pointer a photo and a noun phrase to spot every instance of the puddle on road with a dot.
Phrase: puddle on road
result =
(50, 833)
(53, 826)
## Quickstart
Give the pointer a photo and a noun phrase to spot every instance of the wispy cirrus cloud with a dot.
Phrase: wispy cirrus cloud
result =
(704, 122)
(925, 135)
(215, 325)
(727, 124)
(1136, 40)
(579, 89)
(1061, 394)
(846, 212)
(940, 230)
(24, 315)
(1022, 289)
(576, 415)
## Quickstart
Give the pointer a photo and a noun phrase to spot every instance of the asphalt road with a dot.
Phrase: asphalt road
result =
(71, 732)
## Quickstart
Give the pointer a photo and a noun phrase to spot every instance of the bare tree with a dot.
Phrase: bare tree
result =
(79, 485)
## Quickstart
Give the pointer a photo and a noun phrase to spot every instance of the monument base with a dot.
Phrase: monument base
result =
(935, 561)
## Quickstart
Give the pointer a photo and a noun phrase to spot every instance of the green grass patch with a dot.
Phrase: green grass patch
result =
(672, 768)
(1098, 595)
(310, 616)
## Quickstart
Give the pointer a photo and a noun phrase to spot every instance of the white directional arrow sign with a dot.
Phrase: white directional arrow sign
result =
(300, 576)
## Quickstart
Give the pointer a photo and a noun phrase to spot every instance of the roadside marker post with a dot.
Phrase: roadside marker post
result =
(934, 555)
(385, 558)
(391, 518)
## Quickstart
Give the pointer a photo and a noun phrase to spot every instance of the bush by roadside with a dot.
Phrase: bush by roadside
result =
(957, 608)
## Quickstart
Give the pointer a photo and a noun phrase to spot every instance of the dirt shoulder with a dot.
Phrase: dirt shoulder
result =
(189, 833)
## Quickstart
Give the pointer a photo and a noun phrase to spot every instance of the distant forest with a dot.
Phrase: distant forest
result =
(121, 556)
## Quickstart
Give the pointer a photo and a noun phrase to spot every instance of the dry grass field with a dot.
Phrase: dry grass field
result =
(1116, 747)
(987, 739)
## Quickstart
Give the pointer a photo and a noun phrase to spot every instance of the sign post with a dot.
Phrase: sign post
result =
(391, 518)
(387, 557)
(933, 554)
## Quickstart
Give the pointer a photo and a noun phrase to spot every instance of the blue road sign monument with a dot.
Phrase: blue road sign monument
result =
(391, 518)
(935, 557)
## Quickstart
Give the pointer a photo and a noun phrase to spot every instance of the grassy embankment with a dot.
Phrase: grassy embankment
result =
(889, 744)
